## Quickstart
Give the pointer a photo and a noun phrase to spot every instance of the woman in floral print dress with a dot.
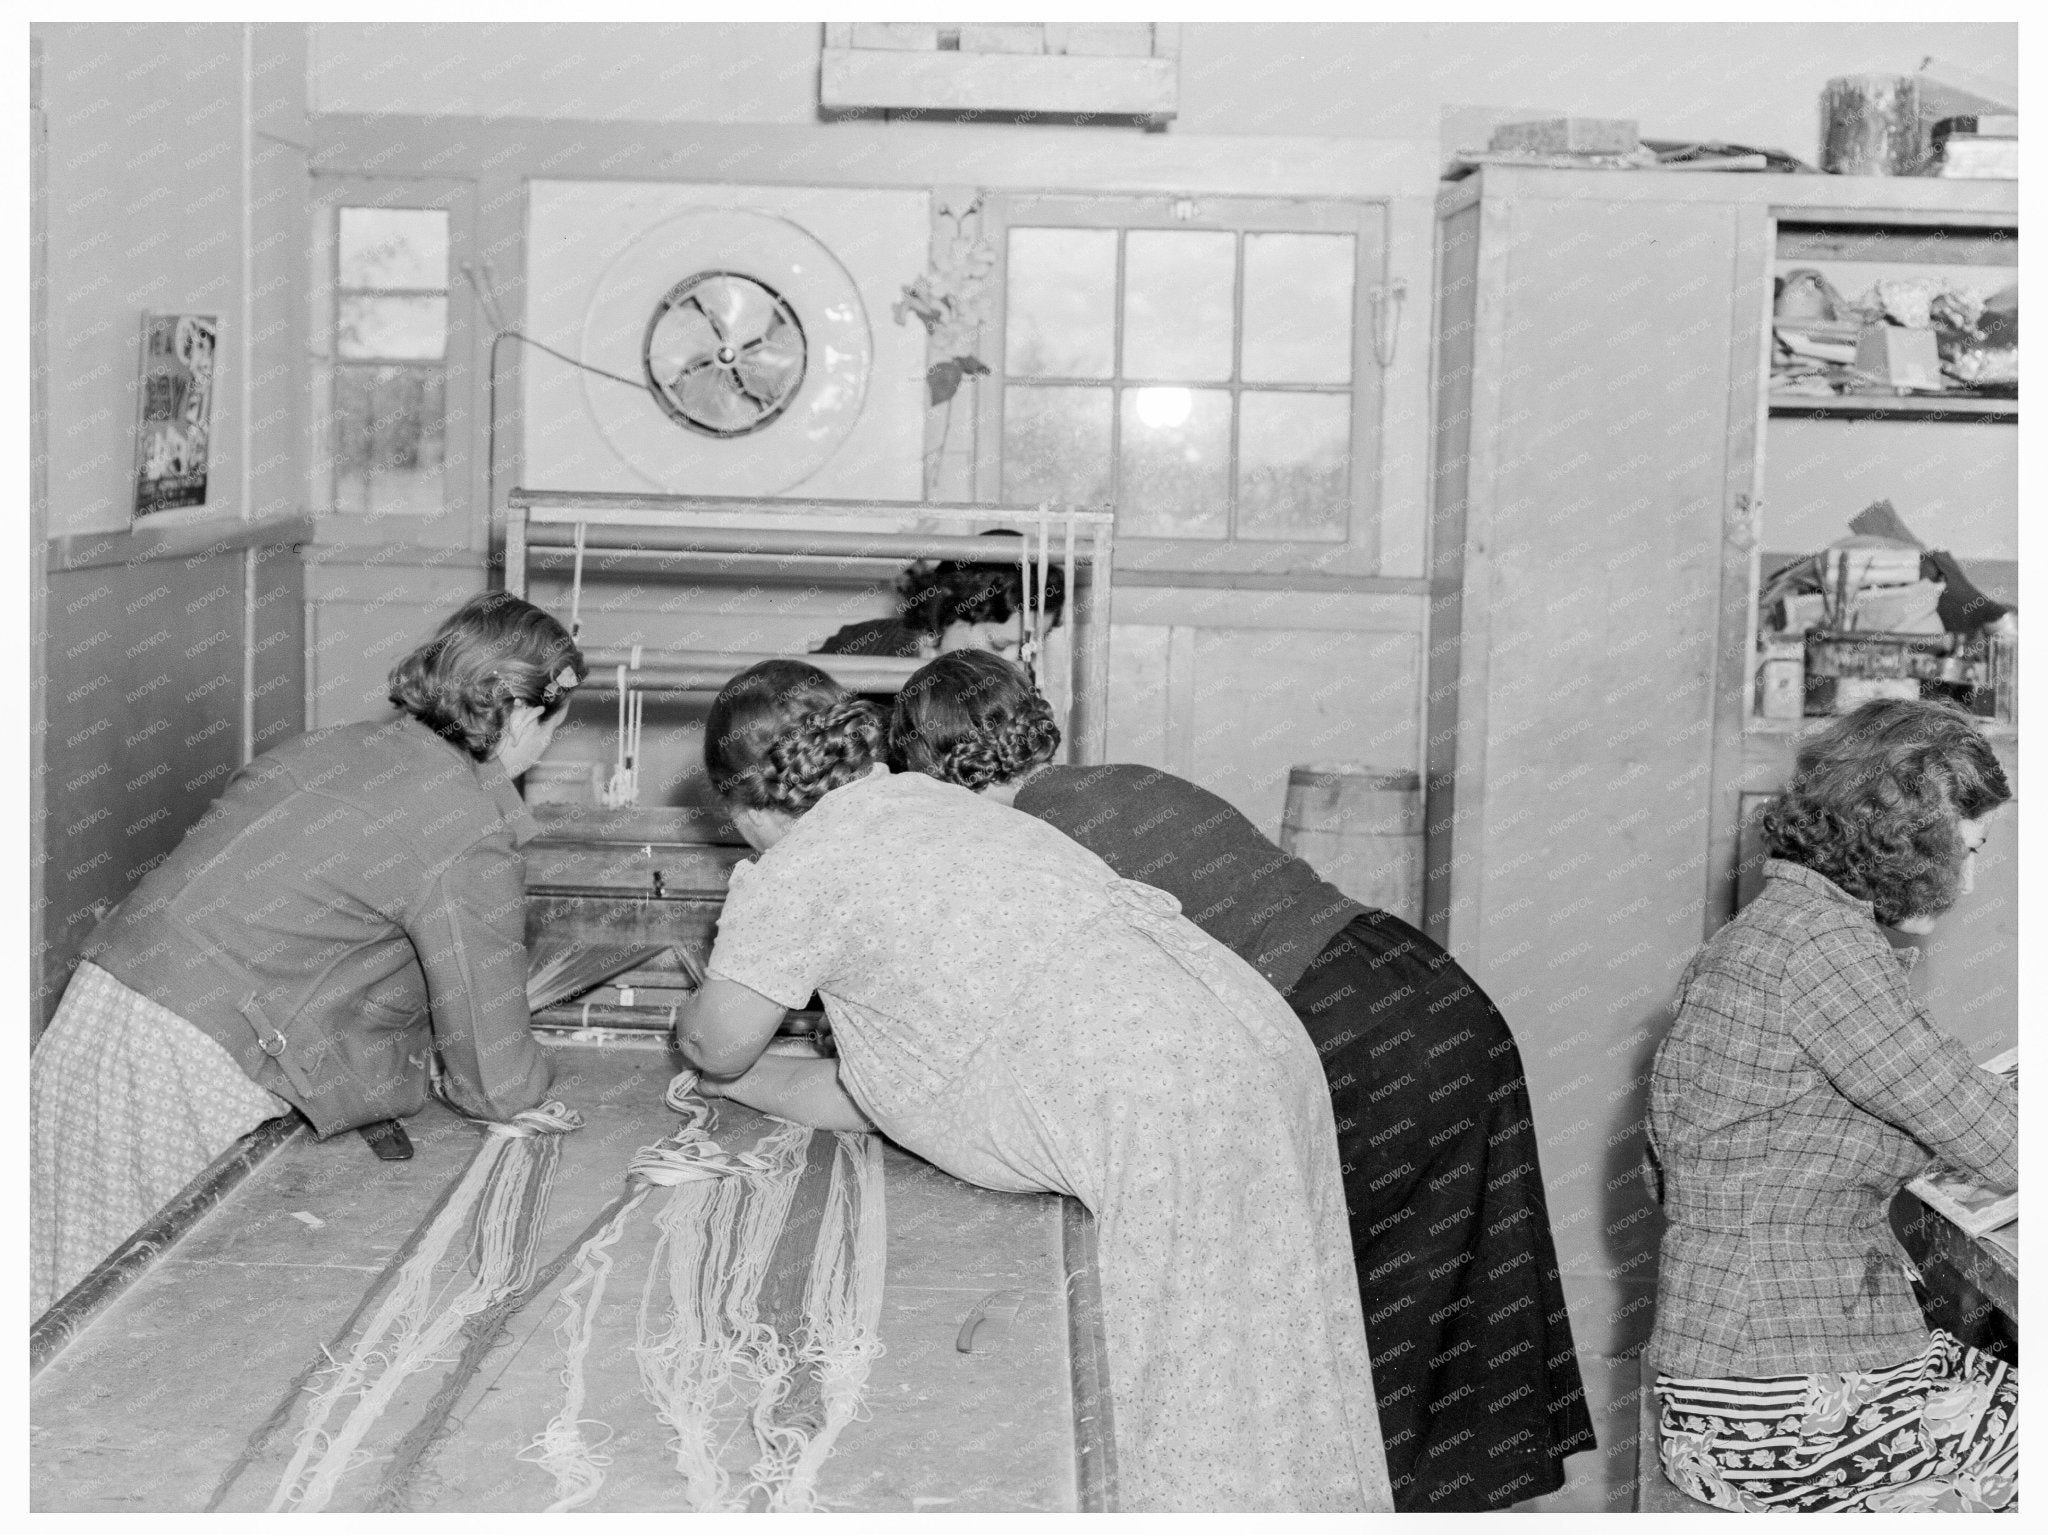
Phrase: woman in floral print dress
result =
(1009, 1009)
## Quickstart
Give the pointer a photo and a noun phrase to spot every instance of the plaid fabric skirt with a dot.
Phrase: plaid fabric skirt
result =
(128, 1103)
(1939, 1433)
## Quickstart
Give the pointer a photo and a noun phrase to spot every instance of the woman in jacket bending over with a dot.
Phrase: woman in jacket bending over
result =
(1009, 1009)
(351, 905)
(1799, 1089)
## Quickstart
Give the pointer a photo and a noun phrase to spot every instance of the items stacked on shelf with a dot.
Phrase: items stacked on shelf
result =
(1983, 147)
(1915, 338)
(1876, 615)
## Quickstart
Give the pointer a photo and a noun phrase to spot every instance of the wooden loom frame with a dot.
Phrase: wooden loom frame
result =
(766, 537)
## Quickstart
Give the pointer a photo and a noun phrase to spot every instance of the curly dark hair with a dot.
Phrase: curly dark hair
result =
(492, 653)
(1876, 799)
(782, 735)
(935, 597)
(971, 718)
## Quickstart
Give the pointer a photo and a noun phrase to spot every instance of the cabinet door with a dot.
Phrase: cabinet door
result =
(1595, 497)
(1593, 552)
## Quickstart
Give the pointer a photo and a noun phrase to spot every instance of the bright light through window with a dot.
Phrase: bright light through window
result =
(1164, 409)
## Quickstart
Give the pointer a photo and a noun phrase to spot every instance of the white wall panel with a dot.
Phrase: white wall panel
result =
(590, 287)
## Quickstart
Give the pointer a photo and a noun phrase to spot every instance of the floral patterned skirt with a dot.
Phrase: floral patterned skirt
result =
(127, 1104)
(1939, 1433)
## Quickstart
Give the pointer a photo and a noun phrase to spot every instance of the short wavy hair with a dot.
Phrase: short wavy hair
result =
(782, 735)
(491, 654)
(971, 718)
(1876, 801)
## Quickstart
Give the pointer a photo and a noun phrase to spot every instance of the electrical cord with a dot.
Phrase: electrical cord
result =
(487, 301)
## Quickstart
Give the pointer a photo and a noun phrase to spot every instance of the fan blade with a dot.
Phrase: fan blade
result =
(671, 374)
(770, 373)
(711, 397)
(740, 309)
(681, 337)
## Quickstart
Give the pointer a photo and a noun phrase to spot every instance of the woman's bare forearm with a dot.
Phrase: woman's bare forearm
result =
(801, 1089)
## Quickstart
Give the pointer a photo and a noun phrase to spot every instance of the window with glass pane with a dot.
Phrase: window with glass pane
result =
(1200, 377)
(390, 355)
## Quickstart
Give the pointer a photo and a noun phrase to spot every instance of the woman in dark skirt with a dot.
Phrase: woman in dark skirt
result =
(1473, 1365)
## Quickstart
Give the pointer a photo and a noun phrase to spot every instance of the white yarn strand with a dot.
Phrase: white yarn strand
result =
(408, 1296)
(717, 1259)
(576, 586)
(1038, 627)
(561, 1450)
(492, 1191)
(1067, 681)
(701, 1345)
(842, 1307)
(681, 1368)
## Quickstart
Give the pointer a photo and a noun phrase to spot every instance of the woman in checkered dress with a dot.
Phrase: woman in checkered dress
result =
(1800, 1088)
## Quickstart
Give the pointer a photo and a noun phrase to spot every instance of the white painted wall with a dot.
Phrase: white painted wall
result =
(176, 182)
(1745, 81)
(1748, 82)
(706, 72)
(145, 212)
(1955, 483)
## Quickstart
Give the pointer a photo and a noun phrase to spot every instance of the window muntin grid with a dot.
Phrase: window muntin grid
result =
(1136, 358)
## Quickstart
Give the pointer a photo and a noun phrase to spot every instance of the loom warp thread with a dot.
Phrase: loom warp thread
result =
(502, 1200)
(842, 1308)
(701, 1344)
(716, 1240)
(561, 1450)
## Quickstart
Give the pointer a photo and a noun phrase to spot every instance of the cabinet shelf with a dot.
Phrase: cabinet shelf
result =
(1762, 725)
(1897, 407)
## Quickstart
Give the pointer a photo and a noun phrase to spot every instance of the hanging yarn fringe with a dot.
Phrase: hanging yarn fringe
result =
(502, 1201)
(562, 1451)
(839, 1341)
(623, 787)
(701, 1344)
(716, 1239)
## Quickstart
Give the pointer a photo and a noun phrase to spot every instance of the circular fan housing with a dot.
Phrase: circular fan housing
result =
(724, 353)
(754, 344)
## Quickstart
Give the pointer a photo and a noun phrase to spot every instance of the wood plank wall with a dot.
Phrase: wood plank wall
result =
(161, 657)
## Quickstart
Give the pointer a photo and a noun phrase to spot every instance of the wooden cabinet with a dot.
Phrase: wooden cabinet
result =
(1601, 483)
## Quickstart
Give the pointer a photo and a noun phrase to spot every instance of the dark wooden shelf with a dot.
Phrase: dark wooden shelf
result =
(1910, 407)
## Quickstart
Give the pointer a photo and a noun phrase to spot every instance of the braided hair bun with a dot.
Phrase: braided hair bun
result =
(973, 719)
(820, 751)
(782, 735)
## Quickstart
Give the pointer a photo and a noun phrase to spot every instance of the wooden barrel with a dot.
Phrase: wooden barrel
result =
(1361, 829)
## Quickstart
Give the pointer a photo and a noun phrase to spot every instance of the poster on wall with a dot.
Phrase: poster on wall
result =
(174, 430)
